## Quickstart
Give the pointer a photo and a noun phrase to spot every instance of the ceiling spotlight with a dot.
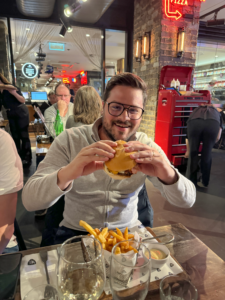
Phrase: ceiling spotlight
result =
(102, 36)
(66, 23)
(21, 64)
(216, 56)
(62, 31)
(87, 34)
(70, 10)
(211, 23)
(28, 29)
(17, 52)
(69, 28)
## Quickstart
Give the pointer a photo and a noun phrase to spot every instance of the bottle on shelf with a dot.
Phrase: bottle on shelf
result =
(173, 83)
(58, 124)
(178, 84)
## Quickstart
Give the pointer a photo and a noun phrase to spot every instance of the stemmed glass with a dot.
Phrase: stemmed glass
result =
(130, 272)
(81, 269)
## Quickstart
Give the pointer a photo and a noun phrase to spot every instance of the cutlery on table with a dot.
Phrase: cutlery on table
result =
(48, 289)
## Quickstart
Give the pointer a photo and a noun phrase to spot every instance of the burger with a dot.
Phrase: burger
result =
(121, 165)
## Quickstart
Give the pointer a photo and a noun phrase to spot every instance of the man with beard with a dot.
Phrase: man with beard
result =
(73, 167)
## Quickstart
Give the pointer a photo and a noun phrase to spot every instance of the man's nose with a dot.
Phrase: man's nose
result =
(124, 115)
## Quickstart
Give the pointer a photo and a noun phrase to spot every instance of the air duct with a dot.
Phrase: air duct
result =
(36, 8)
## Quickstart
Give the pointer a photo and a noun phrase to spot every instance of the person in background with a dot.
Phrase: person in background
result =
(74, 167)
(204, 125)
(62, 94)
(210, 87)
(71, 93)
(87, 107)
(51, 100)
(11, 181)
(18, 116)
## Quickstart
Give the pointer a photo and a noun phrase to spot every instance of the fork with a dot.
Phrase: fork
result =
(48, 288)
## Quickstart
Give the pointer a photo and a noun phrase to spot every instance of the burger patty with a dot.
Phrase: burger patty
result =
(126, 173)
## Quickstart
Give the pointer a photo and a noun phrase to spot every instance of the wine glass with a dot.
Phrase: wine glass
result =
(177, 288)
(81, 269)
(130, 272)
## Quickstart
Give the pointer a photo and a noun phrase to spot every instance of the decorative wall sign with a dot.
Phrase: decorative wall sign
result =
(173, 8)
(66, 80)
(29, 70)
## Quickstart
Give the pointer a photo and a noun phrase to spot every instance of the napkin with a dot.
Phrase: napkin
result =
(32, 271)
(170, 268)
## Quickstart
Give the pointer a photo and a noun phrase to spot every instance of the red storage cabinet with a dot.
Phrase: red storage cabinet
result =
(173, 112)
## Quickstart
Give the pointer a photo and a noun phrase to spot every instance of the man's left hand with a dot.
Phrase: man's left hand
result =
(151, 163)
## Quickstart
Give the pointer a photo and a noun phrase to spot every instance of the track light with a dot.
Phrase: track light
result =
(66, 24)
(211, 23)
(62, 31)
(70, 10)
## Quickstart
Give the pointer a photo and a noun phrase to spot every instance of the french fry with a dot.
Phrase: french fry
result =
(126, 233)
(101, 238)
(88, 228)
(107, 235)
(110, 241)
(104, 232)
(103, 246)
(114, 241)
(117, 250)
(119, 232)
(125, 245)
(118, 237)
(130, 236)
(131, 248)
(97, 231)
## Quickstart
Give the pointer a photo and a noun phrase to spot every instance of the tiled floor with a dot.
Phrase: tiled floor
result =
(206, 219)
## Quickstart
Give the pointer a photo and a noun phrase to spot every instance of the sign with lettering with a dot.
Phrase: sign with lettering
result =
(66, 80)
(173, 8)
(29, 70)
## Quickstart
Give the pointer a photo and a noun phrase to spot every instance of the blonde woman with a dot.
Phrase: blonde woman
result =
(87, 107)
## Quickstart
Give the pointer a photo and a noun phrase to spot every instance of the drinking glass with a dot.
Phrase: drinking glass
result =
(177, 288)
(81, 269)
(130, 272)
(45, 291)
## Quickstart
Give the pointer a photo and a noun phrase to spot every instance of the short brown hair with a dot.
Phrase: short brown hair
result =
(3, 79)
(87, 105)
(51, 93)
(59, 84)
(126, 79)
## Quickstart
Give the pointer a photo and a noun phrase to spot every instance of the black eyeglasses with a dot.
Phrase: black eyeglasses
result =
(116, 109)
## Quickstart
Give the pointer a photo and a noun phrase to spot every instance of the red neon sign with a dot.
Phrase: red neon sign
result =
(170, 4)
(171, 14)
(66, 80)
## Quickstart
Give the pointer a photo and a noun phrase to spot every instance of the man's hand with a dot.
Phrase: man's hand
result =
(88, 160)
(151, 163)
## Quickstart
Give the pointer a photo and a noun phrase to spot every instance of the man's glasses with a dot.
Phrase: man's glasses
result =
(116, 109)
(61, 96)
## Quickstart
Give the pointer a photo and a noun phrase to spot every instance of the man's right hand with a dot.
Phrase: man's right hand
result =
(87, 161)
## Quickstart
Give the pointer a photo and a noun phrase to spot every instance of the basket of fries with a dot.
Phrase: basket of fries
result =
(109, 238)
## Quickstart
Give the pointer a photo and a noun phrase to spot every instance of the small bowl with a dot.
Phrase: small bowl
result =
(158, 263)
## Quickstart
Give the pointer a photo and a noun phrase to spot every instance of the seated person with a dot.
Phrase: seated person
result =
(86, 109)
(11, 181)
(62, 94)
(74, 167)
(51, 100)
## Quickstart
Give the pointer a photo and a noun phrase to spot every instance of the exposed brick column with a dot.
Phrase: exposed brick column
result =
(4, 58)
(149, 16)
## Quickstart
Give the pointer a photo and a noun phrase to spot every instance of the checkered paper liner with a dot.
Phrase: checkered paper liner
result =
(170, 268)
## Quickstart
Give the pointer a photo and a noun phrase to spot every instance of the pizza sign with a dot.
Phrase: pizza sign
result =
(172, 8)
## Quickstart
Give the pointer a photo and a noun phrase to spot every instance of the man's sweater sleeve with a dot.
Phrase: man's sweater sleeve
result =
(41, 190)
(180, 194)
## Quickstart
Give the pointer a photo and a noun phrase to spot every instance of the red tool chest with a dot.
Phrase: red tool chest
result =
(173, 112)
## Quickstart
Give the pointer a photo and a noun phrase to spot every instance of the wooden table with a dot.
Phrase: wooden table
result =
(205, 268)
(4, 123)
(42, 149)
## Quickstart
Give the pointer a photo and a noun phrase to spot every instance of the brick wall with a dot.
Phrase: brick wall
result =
(4, 58)
(149, 16)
